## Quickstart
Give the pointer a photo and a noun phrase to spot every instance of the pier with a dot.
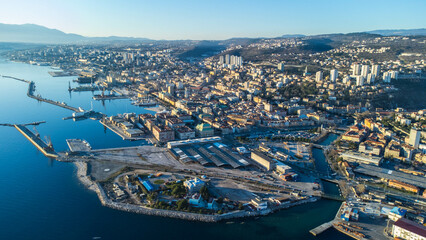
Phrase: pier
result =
(45, 148)
(321, 228)
(26, 124)
(30, 94)
(19, 79)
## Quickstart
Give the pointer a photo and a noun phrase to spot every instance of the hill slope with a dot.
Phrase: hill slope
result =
(31, 33)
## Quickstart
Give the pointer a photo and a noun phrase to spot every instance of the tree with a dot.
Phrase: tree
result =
(178, 190)
(204, 191)
(182, 204)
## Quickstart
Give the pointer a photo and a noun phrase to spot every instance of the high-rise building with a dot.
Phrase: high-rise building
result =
(414, 138)
(227, 59)
(386, 77)
(365, 70)
(281, 67)
(370, 78)
(394, 74)
(235, 60)
(221, 60)
(318, 76)
(333, 75)
(375, 69)
(359, 80)
(356, 69)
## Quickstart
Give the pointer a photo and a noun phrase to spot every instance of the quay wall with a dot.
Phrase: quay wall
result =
(106, 201)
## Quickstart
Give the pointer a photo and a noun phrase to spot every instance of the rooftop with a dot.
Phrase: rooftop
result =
(411, 226)
(391, 174)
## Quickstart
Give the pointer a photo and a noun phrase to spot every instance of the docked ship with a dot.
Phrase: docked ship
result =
(109, 96)
(85, 77)
(82, 113)
(144, 102)
(82, 88)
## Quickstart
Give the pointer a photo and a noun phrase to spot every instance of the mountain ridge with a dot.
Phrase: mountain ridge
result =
(33, 33)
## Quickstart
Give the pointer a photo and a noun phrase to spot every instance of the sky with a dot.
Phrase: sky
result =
(214, 19)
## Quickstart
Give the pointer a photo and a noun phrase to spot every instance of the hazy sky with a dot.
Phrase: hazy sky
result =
(214, 19)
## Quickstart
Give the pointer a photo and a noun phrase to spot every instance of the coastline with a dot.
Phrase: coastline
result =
(84, 178)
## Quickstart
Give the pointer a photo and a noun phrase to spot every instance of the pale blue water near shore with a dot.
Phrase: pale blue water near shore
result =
(43, 199)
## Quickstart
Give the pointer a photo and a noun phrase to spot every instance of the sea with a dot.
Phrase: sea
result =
(43, 199)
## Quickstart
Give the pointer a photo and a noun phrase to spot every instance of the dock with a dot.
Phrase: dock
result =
(30, 93)
(31, 88)
(78, 145)
(321, 228)
(119, 131)
(36, 141)
(349, 232)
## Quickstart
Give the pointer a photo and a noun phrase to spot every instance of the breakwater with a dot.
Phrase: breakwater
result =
(106, 201)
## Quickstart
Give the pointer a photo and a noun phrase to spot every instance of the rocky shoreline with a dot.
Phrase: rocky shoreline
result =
(106, 201)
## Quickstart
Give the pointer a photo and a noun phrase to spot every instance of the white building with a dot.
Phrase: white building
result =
(409, 230)
(359, 80)
(365, 70)
(194, 185)
(370, 78)
(221, 60)
(318, 76)
(414, 138)
(236, 61)
(375, 69)
(333, 75)
(394, 74)
(386, 77)
(281, 67)
(356, 69)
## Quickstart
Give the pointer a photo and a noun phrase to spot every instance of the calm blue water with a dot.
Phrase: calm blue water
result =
(43, 199)
(321, 164)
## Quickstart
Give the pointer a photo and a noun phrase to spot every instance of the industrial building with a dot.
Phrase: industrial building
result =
(351, 156)
(407, 229)
(403, 186)
(387, 174)
(207, 152)
(263, 160)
